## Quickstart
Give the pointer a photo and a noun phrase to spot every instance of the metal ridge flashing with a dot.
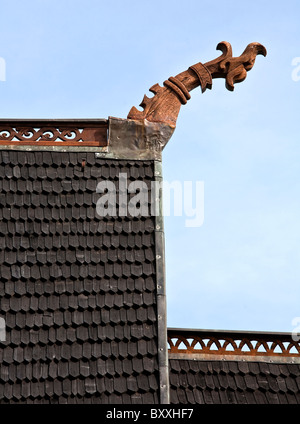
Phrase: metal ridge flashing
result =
(51, 121)
(136, 140)
(235, 358)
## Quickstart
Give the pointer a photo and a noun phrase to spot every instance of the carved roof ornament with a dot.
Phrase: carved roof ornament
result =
(164, 106)
(142, 136)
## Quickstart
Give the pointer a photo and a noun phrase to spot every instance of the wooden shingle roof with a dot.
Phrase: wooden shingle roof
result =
(78, 291)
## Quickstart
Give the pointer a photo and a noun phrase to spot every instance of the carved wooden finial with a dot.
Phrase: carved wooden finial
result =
(164, 106)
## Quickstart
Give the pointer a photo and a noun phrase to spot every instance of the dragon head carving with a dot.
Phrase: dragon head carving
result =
(164, 106)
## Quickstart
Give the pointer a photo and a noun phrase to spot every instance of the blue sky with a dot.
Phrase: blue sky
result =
(94, 59)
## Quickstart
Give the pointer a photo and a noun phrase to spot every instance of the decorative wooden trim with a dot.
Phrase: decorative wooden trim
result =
(225, 344)
(89, 133)
(164, 106)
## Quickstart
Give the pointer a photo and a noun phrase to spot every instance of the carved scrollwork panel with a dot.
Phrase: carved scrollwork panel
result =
(67, 134)
(250, 344)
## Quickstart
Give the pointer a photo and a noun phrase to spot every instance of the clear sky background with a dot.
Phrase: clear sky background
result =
(92, 59)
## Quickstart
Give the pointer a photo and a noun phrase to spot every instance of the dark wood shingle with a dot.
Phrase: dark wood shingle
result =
(253, 382)
(77, 290)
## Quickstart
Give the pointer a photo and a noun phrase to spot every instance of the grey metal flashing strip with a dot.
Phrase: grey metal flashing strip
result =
(276, 359)
(163, 362)
(53, 121)
(53, 148)
(136, 140)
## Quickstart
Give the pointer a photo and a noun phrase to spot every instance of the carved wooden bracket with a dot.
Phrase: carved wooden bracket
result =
(164, 106)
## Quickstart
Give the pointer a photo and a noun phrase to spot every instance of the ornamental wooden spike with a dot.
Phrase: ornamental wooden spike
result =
(164, 106)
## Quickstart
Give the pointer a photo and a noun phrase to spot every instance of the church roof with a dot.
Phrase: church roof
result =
(78, 291)
(83, 295)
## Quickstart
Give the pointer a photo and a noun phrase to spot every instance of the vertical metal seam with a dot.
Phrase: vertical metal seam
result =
(163, 366)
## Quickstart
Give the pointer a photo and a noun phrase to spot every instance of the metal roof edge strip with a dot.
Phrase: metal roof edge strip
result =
(162, 339)
(239, 358)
